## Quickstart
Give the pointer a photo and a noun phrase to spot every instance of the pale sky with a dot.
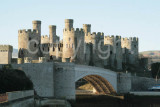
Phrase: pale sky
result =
(128, 18)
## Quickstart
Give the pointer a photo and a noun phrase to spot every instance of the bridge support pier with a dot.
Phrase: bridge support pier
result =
(64, 81)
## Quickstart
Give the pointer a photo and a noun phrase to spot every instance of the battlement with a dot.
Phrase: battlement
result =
(6, 48)
(79, 30)
(36, 22)
(130, 38)
(68, 20)
(86, 25)
(118, 37)
(124, 39)
(23, 31)
(42, 59)
(109, 37)
(52, 26)
(134, 39)
(27, 59)
(44, 36)
(100, 34)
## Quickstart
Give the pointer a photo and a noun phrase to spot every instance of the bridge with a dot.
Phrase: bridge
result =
(103, 80)
(57, 80)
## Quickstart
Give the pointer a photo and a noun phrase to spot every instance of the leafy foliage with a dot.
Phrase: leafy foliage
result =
(13, 80)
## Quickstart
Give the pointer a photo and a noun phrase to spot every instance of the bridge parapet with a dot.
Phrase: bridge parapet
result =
(18, 99)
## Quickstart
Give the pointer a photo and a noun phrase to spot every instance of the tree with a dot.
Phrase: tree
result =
(155, 69)
(14, 80)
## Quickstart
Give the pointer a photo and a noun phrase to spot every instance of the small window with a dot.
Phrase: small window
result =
(72, 45)
(135, 46)
(66, 45)
(35, 45)
(110, 52)
(53, 49)
(29, 38)
(43, 48)
(69, 39)
(116, 44)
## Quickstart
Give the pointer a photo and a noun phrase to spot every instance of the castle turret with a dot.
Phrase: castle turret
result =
(52, 34)
(130, 50)
(37, 26)
(79, 44)
(29, 40)
(87, 28)
(133, 58)
(68, 39)
(118, 52)
(68, 24)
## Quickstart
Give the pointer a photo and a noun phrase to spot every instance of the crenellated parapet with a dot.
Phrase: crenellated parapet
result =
(27, 34)
(134, 39)
(23, 31)
(42, 59)
(79, 31)
(99, 36)
(128, 42)
(44, 39)
(27, 60)
(109, 40)
(6, 48)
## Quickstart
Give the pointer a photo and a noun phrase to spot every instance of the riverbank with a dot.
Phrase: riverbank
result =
(116, 101)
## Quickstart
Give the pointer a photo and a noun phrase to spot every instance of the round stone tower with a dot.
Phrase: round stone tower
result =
(68, 40)
(37, 26)
(52, 34)
(68, 24)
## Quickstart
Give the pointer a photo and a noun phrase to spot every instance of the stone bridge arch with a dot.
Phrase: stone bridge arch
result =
(103, 80)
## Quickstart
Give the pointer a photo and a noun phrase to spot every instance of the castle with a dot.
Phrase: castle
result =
(80, 46)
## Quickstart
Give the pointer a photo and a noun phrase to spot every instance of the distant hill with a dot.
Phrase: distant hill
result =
(154, 55)
(151, 54)
(15, 53)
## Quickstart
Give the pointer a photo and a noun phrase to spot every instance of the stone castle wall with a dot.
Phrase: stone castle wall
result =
(5, 54)
(80, 45)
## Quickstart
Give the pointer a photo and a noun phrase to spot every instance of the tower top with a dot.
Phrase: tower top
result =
(36, 22)
(52, 26)
(68, 20)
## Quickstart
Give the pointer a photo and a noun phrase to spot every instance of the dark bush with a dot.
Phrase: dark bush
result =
(155, 69)
(14, 80)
